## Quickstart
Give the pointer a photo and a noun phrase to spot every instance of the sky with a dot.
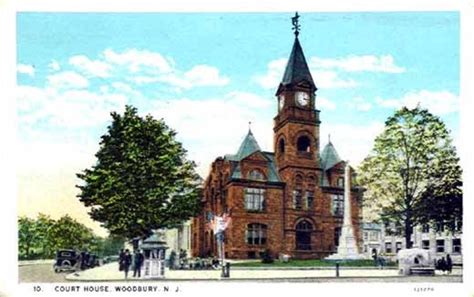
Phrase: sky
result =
(208, 75)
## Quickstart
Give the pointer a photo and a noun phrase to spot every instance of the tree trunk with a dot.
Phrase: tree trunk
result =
(408, 230)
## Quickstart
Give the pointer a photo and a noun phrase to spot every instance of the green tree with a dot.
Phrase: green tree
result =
(67, 233)
(142, 180)
(412, 174)
(43, 226)
(27, 236)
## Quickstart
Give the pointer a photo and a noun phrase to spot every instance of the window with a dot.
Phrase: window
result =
(254, 199)
(374, 236)
(456, 245)
(425, 228)
(309, 200)
(340, 182)
(281, 145)
(425, 244)
(440, 245)
(388, 247)
(256, 175)
(398, 246)
(303, 144)
(459, 226)
(366, 235)
(256, 234)
(297, 199)
(337, 205)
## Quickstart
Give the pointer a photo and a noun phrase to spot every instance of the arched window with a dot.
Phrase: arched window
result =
(256, 234)
(303, 144)
(303, 235)
(256, 174)
(281, 145)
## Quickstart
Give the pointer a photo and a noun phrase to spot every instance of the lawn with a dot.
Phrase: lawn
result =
(312, 263)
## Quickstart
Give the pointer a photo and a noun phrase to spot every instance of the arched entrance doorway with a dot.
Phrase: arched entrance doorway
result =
(303, 235)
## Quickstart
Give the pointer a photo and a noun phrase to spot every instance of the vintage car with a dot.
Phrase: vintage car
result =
(66, 260)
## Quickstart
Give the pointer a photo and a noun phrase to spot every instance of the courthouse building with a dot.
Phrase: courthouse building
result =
(289, 201)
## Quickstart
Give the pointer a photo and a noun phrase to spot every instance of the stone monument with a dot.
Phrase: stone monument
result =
(347, 249)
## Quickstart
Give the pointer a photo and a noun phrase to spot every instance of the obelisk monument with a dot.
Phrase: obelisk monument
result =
(347, 249)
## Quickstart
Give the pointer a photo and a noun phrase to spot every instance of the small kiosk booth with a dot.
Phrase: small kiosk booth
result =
(154, 251)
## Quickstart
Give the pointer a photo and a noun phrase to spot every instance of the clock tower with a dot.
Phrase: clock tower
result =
(296, 126)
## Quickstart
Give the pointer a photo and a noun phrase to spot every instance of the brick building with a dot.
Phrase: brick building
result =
(289, 201)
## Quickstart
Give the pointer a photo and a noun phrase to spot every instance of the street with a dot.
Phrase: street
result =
(40, 273)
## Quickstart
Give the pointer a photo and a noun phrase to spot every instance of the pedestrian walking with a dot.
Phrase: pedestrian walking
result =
(121, 257)
(449, 264)
(138, 259)
(127, 261)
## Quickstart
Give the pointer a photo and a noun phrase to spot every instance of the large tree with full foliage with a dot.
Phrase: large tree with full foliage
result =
(412, 174)
(142, 180)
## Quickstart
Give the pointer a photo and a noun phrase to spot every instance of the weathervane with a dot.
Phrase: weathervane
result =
(296, 26)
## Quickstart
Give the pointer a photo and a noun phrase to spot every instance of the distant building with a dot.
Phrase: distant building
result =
(372, 239)
(178, 239)
(440, 239)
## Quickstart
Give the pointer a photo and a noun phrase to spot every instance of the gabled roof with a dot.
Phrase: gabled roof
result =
(329, 156)
(248, 147)
(297, 69)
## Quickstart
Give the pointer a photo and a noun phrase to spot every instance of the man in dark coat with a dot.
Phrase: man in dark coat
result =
(138, 259)
(127, 261)
(121, 255)
(449, 264)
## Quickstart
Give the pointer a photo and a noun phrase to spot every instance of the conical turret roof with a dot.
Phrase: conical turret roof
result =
(329, 156)
(297, 69)
(247, 147)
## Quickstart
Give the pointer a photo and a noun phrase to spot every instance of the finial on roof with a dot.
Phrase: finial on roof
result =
(296, 25)
(329, 138)
(250, 128)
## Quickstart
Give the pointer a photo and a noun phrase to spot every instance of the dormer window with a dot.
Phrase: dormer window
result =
(256, 174)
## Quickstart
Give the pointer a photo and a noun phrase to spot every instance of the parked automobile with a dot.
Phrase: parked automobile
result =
(65, 260)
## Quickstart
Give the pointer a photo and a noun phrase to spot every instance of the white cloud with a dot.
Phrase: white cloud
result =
(360, 104)
(326, 72)
(352, 142)
(205, 75)
(94, 68)
(274, 74)
(322, 78)
(25, 69)
(331, 80)
(214, 127)
(54, 66)
(323, 103)
(139, 60)
(200, 75)
(67, 109)
(442, 102)
(68, 80)
(370, 63)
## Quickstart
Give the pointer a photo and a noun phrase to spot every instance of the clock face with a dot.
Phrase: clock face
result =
(281, 101)
(302, 98)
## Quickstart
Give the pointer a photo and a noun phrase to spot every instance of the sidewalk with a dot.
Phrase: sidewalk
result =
(35, 262)
(110, 272)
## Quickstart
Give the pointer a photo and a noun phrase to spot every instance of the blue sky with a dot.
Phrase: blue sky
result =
(208, 75)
